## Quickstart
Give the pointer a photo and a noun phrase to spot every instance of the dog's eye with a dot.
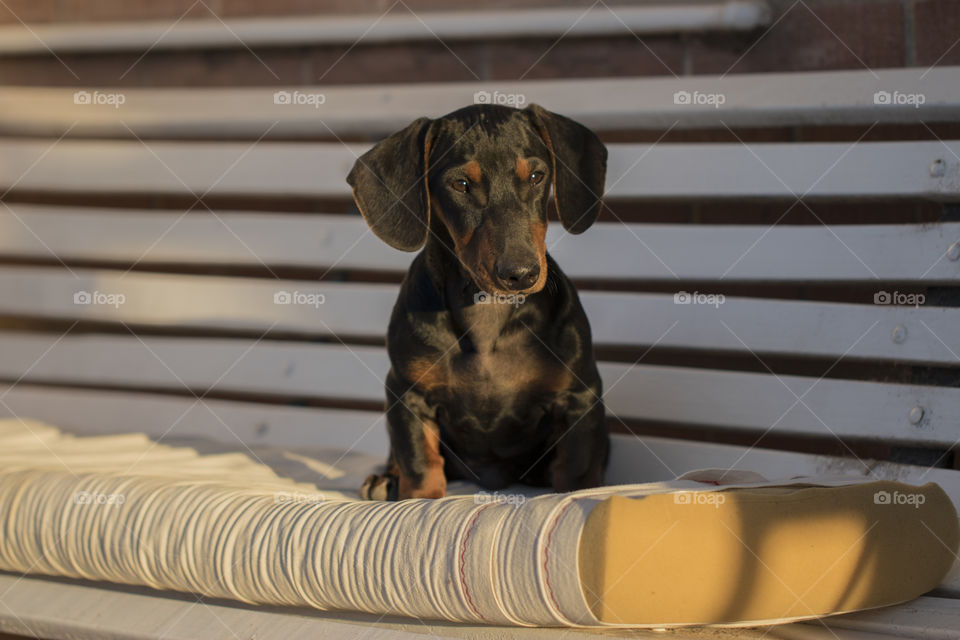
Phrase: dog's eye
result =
(536, 177)
(460, 185)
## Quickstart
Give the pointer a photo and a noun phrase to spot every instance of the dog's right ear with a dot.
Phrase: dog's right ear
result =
(389, 185)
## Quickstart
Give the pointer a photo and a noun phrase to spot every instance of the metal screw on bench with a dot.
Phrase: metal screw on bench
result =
(954, 251)
(938, 168)
(915, 415)
(899, 333)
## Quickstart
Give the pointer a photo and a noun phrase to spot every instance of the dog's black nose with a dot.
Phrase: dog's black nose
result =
(516, 276)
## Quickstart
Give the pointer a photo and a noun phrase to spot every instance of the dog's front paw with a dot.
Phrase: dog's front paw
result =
(380, 487)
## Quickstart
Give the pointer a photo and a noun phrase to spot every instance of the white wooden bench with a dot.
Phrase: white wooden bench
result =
(197, 346)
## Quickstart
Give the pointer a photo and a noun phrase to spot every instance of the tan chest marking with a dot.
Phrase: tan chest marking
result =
(505, 373)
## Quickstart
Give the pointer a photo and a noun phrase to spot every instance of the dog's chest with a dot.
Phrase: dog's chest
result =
(501, 372)
(505, 372)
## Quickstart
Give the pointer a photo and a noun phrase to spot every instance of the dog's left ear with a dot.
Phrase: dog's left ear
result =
(389, 185)
(579, 167)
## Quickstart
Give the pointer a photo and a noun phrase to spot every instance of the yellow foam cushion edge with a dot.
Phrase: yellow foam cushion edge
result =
(764, 554)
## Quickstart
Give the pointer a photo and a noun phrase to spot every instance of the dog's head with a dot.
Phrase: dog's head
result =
(485, 172)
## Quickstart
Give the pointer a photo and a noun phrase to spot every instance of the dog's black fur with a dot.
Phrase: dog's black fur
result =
(493, 377)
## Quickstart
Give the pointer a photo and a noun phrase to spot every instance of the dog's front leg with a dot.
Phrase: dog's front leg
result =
(415, 466)
(583, 444)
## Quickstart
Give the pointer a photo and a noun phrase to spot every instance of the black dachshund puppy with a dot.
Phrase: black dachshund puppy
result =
(493, 377)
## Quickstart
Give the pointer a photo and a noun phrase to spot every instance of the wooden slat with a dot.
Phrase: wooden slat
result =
(609, 251)
(838, 170)
(761, 401)
(743, 325)
(81, 610)
(38, 607)
(401, 25)
(220, 303)
(750, 100)
(236, 366)
(177, 168)
(760, 253)
(933, 618)
(200, 238)
(90, 412)
(766, 170)
(809, 329)
(721, 399)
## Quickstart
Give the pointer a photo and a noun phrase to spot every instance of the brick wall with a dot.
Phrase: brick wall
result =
(808, 35)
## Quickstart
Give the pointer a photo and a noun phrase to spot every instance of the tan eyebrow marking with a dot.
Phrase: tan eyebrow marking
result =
(523, 168)
(472, 170)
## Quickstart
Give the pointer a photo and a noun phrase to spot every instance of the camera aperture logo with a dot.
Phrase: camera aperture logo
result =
(515, 299)
(898, 298)
(897, 98)
(99, 499)
(295, 497)
(299, 98)
(914, 500)
(712, 299)
(512, 499)
(507, 99)
(114, 100)
(697, 98)
(299, 298)
(707, 498)
(99, 298)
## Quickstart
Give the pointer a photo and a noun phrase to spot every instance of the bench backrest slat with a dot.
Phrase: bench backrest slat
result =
(255, 306)
(400, 25)
(754, 100)
(610, 251)
(661, 171)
